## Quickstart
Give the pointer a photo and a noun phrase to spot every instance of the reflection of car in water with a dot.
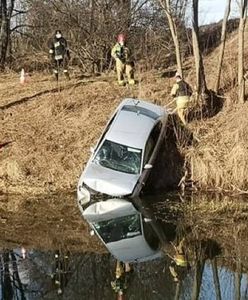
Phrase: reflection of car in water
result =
(121, 161)
(124, 231)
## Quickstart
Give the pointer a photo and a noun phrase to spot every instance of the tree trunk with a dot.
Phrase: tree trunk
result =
(242, 21)
(216, 279)
(178, 291)
(199, 267)
(92, 16)
(167, 9)
(3, 34)
(223, 42)
(200, 74)
(238, 277)
(6, 13)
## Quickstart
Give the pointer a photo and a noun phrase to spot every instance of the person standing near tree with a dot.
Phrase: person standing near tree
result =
(121, 53)
(182, 91)
(60, 54)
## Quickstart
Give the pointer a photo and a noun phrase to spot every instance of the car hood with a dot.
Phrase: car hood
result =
(108, 181)
(111, 208)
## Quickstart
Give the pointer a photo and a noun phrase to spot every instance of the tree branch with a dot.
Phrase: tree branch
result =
(21, 26)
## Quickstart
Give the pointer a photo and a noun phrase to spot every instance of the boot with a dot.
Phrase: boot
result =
(121, 82)
(67, 75)
(56, 76)
(131, 82)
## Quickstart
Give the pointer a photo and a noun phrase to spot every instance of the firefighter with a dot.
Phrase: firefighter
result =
(179, 264)
(120, 284)
(122, 54)
(182, 91)
(60, 54)
(60, 276)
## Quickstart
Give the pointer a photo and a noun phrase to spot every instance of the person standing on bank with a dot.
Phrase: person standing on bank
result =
(60, 54)
(182, 91)
(121, 53)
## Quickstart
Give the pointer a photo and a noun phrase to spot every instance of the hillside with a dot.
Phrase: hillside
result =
(51, 129)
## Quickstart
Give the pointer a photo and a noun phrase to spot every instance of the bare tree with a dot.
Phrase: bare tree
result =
(242, 21)
(223, 42)
(166, 5)
(200, 74)
(5, 17)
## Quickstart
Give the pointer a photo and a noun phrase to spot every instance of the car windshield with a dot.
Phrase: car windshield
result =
(120, 228)
(119, 157)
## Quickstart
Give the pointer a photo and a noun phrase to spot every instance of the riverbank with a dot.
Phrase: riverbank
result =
(50, 131)
(51, 128)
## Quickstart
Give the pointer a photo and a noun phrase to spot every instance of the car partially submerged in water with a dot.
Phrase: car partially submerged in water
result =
(122, 159)
(126, 233)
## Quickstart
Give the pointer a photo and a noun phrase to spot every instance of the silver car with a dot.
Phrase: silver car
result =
(127, 235)
(124, 155)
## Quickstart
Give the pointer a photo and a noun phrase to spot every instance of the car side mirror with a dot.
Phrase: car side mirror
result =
(148, 166)
(92, 149)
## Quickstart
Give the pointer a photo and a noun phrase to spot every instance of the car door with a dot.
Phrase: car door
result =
(148, 158)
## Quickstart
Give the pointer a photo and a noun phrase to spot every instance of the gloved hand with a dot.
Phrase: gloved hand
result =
(119, 56)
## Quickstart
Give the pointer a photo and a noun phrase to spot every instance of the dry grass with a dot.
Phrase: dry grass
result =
(220, 161)
(51, 133)
(210, 216)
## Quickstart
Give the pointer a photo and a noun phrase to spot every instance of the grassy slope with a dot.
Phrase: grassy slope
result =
(52, 132)
(220, 160)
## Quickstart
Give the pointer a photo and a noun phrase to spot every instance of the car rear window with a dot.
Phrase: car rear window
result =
(140, 110)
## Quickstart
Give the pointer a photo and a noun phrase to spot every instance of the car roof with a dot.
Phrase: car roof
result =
(133, 123)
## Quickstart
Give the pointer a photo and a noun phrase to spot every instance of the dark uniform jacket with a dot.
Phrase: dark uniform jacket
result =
(59, 48)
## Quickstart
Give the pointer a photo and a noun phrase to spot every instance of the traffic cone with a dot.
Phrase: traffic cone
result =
(22, 77)
(23, 252)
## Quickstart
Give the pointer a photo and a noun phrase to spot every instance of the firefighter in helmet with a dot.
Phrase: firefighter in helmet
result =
(182, 91)
(121, 53)
(60, 54)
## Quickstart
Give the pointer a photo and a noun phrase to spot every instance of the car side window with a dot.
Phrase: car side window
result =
(151, 142)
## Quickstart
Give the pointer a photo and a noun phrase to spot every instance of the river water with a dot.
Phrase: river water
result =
(48, 253)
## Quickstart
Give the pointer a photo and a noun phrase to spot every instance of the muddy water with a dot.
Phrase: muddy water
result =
(47, 252)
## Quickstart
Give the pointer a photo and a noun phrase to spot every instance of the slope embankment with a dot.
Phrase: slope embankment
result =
(51, 128)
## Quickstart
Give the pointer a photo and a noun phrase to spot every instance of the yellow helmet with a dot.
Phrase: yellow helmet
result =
(180, 260)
